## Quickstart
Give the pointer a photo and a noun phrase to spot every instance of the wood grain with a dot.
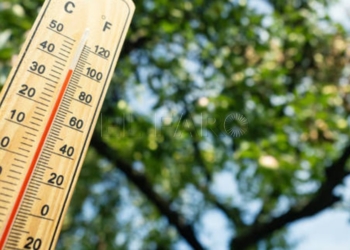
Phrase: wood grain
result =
(49, 107)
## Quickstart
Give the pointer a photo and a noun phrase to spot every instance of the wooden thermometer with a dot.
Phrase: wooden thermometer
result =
(48, 110)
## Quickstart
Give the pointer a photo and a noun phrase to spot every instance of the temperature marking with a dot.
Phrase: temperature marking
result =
(48, 109)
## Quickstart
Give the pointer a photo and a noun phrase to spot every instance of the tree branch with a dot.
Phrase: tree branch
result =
(232, 213)
(143, 184)
(323, 199)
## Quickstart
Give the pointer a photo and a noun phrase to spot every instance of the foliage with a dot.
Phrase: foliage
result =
(186, 66)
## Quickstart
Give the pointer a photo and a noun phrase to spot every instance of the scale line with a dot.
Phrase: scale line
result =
(42, 141)
(34, 161)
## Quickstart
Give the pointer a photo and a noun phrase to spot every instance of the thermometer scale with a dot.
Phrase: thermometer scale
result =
(48, 110)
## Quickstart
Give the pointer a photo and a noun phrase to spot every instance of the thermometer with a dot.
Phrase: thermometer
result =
(48, 110)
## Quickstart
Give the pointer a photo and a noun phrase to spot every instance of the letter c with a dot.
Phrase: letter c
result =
(67, 5)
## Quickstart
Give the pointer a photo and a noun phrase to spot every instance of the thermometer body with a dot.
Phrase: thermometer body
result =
(48, 110)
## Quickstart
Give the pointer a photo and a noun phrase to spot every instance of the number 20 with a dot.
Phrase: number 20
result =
(33, 243)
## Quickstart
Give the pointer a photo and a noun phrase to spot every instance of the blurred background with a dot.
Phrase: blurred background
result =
(226, 126)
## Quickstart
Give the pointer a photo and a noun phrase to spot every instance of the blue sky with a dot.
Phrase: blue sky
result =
(329, 230)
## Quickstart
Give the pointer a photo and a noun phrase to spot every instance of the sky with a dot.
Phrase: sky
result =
(328, 230)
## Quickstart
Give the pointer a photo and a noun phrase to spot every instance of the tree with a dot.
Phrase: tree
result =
(224, 89)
